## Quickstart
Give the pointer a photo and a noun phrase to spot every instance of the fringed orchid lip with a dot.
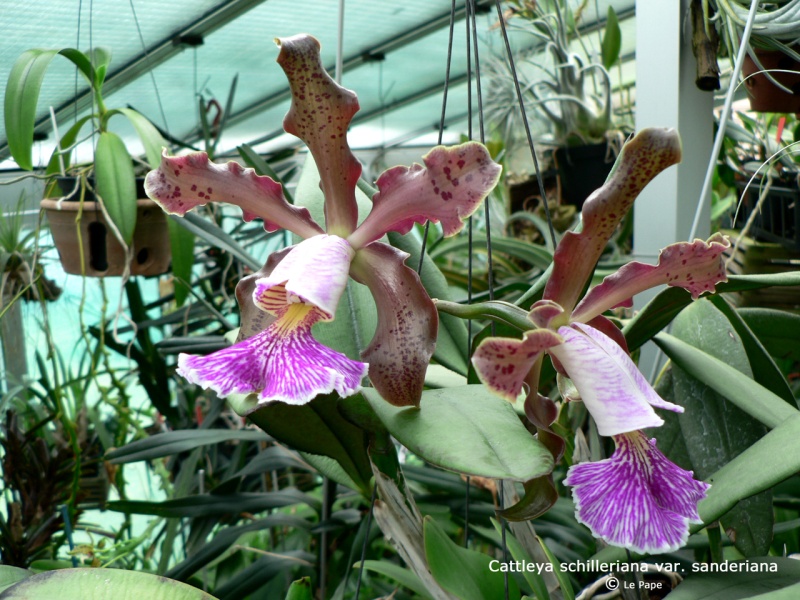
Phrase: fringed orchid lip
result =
(637, 499)
(284, 362)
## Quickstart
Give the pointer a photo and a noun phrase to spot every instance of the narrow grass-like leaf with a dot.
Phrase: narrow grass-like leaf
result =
(174, 442)
(397, 573)
(780, 583)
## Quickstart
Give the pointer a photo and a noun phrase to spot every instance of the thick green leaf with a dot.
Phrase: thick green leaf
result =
(101, 584)
(116, 183)
(181, 242)
(259, 572)
(754, 470)
(393, 571)
(660, 311)
(467, 574)
(174, 442)
(300, 590)
(22, 95)
(716, 431)
(11, 575)
(205, 505)
(612, 39)
(466, 429)
(782, 582)
(778, 330)
(317, 428)
(151, 138)
(738, 388)
(765, 371)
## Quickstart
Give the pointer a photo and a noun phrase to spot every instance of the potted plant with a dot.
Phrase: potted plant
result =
(93, 218)
(571, 95)
(772, 67)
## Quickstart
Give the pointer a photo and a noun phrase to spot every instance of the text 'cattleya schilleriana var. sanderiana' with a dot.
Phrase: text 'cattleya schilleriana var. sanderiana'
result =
(302, 285)
(637, 498)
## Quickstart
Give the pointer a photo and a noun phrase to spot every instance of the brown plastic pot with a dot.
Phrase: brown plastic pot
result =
(764, 95)
(103, 255)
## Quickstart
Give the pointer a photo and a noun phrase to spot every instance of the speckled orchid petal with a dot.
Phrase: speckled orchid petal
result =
(615, 393)
(405, 337)
(642, 158)
(320, 114)
(637, 499)
(447, 190)
(544, 312)
(502, 364)
(282, 363)
(183, 182)
(254, 320)
(314, 272)
(697, 267)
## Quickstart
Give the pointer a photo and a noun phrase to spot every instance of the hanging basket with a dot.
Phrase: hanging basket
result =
(103, 255)
(764, 95)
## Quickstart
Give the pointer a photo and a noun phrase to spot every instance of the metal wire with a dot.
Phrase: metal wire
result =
(150, 71)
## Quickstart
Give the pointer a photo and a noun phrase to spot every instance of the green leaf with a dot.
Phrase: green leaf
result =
(152, 139)
(101, 584)
(781, 583)
(745, 393)
(561, 575)
(259, 572)
(300, 590)
(393, 571)
(778, 330)
(468, 430)
(753, 471)
(714, 430)
(467, 574)
(317, 428)
(521, 556)
(116, 183)
(175, 442)
(181, 242)
(11, 575)
(205, 505)
(22, 95)
(67, 140)
(612, 40)
(532, 254)
(253, 160)
(765, 371)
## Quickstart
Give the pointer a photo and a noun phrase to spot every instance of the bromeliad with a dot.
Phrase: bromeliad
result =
(636, 498)
(302, 285)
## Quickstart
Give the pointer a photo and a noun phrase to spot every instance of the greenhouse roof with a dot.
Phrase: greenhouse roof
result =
(165, 55)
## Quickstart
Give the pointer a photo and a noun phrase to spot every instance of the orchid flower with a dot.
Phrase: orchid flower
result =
(301, 286)
(637, 498)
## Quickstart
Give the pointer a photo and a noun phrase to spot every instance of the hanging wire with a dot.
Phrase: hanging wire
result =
(441, 119)
(539, 179)
(150, 71)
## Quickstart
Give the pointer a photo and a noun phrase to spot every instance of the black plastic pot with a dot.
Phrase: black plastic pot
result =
(778, 220)
(581, 169)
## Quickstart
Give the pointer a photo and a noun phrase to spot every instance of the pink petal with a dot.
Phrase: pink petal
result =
(182, 182)
(642, 158)
(405, 337)
(615, 393)
(448, 189)
(637, 499)
(503, 363)
(314, 272)
(282, 363)
(697, 267)
(320, 115)
(252, 318)
(544, 312)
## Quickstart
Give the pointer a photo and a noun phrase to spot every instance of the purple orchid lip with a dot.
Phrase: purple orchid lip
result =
(637, 499)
